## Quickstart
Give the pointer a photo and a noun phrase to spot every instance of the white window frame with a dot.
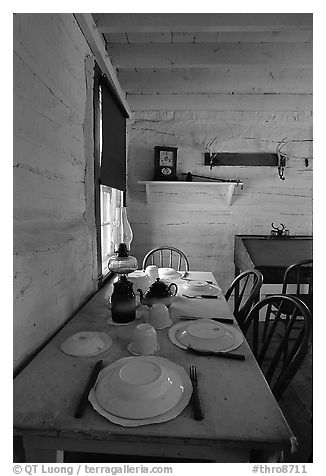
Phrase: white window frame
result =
(110, 200)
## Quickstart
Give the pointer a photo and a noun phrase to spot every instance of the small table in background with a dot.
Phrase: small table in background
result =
(270, 256)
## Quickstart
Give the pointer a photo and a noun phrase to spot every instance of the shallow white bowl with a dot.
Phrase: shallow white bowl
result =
(139, 387)
(201, 287)
(86, 343)
(168, 273)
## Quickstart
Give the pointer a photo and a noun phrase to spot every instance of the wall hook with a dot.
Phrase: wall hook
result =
(212, 156)
(281, 159)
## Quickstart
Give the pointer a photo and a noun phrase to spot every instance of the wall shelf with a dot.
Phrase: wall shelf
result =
(227, 188)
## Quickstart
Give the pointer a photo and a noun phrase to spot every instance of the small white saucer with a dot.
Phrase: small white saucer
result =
(130, 349)
(86, 344)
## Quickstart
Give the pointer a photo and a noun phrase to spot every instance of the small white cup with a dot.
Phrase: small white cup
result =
(142, 311)
(144, 340)
(140, 280)
(159, 316)
(152, 272)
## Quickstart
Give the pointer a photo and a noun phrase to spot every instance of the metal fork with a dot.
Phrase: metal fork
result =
(195, 399)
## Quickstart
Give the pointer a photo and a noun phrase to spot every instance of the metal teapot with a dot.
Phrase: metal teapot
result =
(158, 292)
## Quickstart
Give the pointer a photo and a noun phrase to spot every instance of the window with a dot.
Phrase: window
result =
(111, 198)
(110, 166)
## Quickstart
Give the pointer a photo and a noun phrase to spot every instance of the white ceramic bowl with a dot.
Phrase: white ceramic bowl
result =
(139, 388)
(168, 273)
(201, 287)
(86, 343)
(140, 280)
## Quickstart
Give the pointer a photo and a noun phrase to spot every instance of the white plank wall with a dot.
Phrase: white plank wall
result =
(247, 110)
(54, 248)
(245, 84)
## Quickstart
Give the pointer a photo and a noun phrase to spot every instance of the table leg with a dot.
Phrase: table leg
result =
(37, 454)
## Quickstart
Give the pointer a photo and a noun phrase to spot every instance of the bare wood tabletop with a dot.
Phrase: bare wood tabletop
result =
(240, 411)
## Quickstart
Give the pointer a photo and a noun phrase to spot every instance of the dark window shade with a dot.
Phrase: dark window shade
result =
(113, 161)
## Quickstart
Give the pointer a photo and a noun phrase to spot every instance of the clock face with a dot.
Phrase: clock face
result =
(166, 158)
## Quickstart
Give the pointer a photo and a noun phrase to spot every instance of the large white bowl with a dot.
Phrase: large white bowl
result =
(169, 415)
(201, 287)
(168, 273)
(138, 387)
(86, 344)
(206, 335)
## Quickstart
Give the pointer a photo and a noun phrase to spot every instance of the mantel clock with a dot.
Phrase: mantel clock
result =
(165, 163)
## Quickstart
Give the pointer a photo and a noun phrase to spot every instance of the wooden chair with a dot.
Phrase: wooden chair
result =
(167, 257)
(278, 366)
(299, 275)
(245, 289)
(297, 282)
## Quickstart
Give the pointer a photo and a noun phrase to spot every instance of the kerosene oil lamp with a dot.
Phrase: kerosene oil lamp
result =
(123, 300)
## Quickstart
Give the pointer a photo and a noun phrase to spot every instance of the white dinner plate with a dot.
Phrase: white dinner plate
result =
(168, 415)
(196, 288)
(205, 334)
(86, 344)
(139, 387)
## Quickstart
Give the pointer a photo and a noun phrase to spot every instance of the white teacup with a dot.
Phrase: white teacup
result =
(144, 340)
(152, 272)
(140, 280)
(143, 312)
(159, 316)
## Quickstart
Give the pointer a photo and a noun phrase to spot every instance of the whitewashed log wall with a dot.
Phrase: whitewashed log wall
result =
(249, 109)
(54, 228)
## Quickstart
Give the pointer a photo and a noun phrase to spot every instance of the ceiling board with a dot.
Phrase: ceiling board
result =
(199, 55)
(290, 36)
(200, 22)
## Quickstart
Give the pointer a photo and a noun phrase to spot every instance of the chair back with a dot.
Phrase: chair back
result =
(278, 346)
(300, 275)
(297, 282)
(245, 289)
(167, 257)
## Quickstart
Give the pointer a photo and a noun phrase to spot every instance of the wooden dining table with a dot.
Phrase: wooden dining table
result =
(241, 414)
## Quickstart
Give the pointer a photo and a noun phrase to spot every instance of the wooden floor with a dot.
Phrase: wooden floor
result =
(296, 405)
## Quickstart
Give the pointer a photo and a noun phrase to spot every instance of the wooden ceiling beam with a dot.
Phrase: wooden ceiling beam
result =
(96, 44)
(200, 22)
(199, 55)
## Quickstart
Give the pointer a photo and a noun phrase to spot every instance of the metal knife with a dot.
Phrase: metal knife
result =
(223, 320)
(206, 296)
(225, 355)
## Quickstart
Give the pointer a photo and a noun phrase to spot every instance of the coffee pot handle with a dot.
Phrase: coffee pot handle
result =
(176, 289)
